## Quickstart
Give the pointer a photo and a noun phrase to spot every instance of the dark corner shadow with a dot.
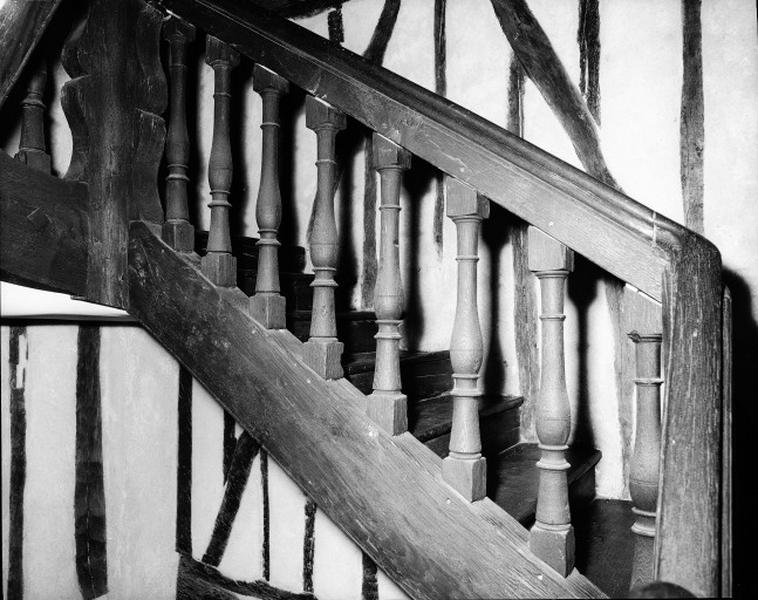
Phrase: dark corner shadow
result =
(417, 184)
(582, 290)
(745, 424)
(291, 107)
(496, 231)
(243, 200)
(349, 142)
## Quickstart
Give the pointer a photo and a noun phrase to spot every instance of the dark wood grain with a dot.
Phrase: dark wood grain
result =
(588, 37)
(727, 437)
(692, 124)
(184, 463)
(22, 24)
(89, 489)
(17, 480)
(318, 431)
(609, 228)
(113, 105)
(43, 229)
(689, 519)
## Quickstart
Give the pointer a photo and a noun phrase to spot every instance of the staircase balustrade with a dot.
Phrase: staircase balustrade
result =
(323, 351)
(387, 405)
(268, 305)
(177, 230)
(552, 535)
(465, 469)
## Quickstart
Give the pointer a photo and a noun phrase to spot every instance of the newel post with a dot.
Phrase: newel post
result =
(645, 463)
(465, 469)
(219, 265)
(552, 536)
(177, 231)
(323, 352)
(387, 405)
(268, 305)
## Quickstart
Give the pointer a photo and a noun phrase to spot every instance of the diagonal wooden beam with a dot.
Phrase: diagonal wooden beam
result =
(43, 229)
(22, 24)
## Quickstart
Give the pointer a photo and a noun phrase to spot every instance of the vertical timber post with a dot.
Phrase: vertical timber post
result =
(465, 469)
(552, 536)
(32, 148)
(387, 405)
(113, 104)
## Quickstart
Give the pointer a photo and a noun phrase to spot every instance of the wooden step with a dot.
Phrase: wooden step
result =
(605, 544)
(291, 258)
(356, 329)
(423, 374)
(499, 416)
(513, 479)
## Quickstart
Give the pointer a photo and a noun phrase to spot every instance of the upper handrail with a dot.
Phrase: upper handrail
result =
(617, 233)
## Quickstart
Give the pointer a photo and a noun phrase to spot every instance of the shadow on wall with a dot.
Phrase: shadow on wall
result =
(745, 424)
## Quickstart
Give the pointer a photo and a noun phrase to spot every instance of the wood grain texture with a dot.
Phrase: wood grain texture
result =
(692, 124)
(112, 104)
(89, 493)
(317, 430)
(17, 482)
(184, 464)
(687, 539)
(727, 461)
(615, 232)
(541, 63)
(22, 25)
(588, 37)
(32, 146)
(43, 229)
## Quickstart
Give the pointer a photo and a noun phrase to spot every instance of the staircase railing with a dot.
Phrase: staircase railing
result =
(676, 491)
(664, 260)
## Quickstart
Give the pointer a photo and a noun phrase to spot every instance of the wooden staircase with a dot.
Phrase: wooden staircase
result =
(404, 453)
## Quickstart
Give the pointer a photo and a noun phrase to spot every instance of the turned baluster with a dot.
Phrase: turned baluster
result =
(644, 468)
(552, 536)
(323, 352)
(268, 305)
(387, 405)
(32, 146)
(218, 264)
(177, 231)
(465, 469)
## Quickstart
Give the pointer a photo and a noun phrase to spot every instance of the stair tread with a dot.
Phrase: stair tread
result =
(605, 544)
(514, 477)
(432, 417)
(361, 362)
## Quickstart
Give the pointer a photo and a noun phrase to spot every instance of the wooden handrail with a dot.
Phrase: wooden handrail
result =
(663, 259)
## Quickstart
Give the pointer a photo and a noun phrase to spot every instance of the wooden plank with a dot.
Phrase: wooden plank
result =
(424, 536)
(689, 518)
(22, 25)
(43, 229)
(727, 460)
(612, 230)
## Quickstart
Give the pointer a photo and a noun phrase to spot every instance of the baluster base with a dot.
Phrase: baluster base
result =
(468, 477)
(269, 308)
(180, 235)
(642, 564)
(220, 268)
(555, 545)
(36, 159)
(324, 355)
(389, 411)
